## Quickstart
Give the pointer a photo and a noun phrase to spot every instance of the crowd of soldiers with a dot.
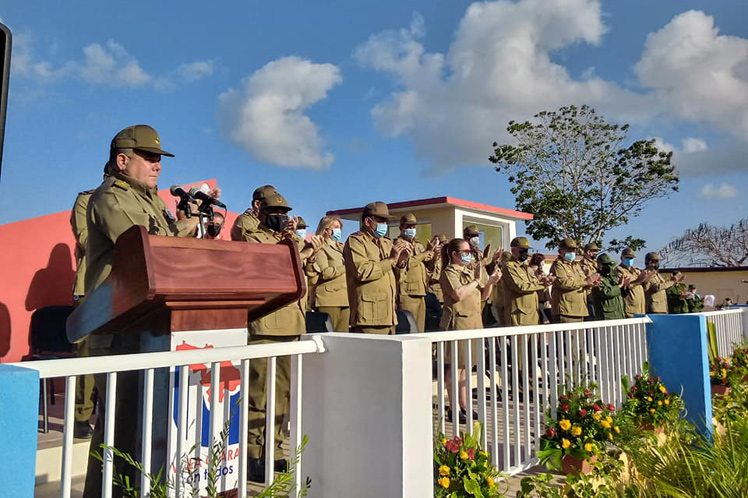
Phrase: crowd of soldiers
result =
(361, 283)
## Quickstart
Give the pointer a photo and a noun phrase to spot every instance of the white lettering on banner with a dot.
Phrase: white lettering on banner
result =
(196, 462)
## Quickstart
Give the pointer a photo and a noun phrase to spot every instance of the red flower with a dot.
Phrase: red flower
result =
(597, 408)
(564, 407)
(563, 397)
(471, 453)
(634, 388)
(611, 407)
(550, 433)
(452, 446)
(587, 392)
(582, 413)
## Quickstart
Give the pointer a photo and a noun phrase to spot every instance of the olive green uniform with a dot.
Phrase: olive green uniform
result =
(498, 300)
(118, 204)
(655, 292)
(569, 296)
(413, 282)
(330, 291)
(371, 282)
(633, 297)
(521, 287)
(464, 314)
(84, 388)
(435, 271)
(245, 223)
(608, 299)
(589, 267)
(676, 302)
(282, 325)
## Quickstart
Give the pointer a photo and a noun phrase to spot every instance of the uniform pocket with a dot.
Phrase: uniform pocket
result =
(374, 306)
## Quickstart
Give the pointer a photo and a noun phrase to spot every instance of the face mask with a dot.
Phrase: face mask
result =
(213, 230)
(656, 266)
(381, 230)
(301, 232)
(409, 232)
(628, 262)
(570, 256)
(276, 222)
(604, 269)
(474, 241)
(337, 234)
(523, 255)
(466, 258)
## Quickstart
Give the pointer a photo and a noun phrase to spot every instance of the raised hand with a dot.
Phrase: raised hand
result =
(495, 276)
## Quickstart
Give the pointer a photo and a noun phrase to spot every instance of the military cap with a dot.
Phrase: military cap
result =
(140, 137)
(568, 243)
(260, 192)
(301, 223)
(471, 231)
(691, 287)
(652, 256)
(628, 253)
(443, 239)
(520, 242)
(604, 259)
(378, 209)
(408, 219)
(591, 247)
(275, 200)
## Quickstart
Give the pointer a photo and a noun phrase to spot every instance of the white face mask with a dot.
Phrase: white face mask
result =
(474, 241)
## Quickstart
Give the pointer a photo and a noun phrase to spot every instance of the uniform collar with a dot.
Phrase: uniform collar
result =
(139, 187)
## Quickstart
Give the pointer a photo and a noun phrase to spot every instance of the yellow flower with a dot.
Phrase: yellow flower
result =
(605, 424)
(724, 373)
(444, 441)
(608, 419)
(575, 431)
(596, 416)
(663, 390)
(443, 482)
(588, 447)
(564, 424)
(667, 401)
(565, 443)
(659, 403)
(483, 453)
(610, 436)
(463, 455)
(649, 398)
(490, 481)
(443, 470)
(617, 429)
(652, 410)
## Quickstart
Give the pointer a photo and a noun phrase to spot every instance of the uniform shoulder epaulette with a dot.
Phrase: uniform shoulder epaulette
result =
(247, 212)
(87, 192)
(121, 184)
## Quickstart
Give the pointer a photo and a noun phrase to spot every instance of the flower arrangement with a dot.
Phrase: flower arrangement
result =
(719, 372)
(462, 468)
(739, 360)
(582, 427)
(648, 402)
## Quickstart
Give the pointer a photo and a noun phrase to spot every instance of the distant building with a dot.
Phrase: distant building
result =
(718, 281)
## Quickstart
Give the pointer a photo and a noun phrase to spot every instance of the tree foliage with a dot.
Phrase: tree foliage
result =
(571, 170)
(708, 245)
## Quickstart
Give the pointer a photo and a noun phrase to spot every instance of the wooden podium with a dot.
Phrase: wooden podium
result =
(162, 291)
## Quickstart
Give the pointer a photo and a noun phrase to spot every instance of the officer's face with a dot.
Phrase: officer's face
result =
(142, 166)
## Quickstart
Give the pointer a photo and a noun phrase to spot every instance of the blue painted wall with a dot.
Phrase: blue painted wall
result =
(19, 420)
(678, 353)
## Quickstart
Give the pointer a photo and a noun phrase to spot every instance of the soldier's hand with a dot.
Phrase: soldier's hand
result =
(215, 193)
(433, 244)
(487, 250)
(549, 279)
(497, 254)
(316, 242)
(624, 282)
(594, 280)
(495, 277)
(477, 269)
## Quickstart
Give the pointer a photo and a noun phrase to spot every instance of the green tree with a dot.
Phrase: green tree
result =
(572, 171)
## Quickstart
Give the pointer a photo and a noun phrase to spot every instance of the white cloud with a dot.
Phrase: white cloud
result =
(498, 68)
(724, 191)
(266, 115)
(691, 145)
(109, 65)
(195, 70)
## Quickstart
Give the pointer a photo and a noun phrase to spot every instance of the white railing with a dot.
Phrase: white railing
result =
(148, 363)
(524, 367)
(729, 326)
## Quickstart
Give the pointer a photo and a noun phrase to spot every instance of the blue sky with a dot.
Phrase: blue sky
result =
(340, 103)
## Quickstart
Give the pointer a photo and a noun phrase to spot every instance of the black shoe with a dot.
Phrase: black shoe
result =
(463, 416)
(256, 470)
(280, 465)
(82, 429)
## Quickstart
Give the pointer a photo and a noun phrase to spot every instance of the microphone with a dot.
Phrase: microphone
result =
(178, 191)
(199, 194)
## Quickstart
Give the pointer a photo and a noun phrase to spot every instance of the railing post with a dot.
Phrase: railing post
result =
(19, 415)
(678, 354)
(367, 412)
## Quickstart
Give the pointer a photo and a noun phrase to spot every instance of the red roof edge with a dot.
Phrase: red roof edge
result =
(441, 200)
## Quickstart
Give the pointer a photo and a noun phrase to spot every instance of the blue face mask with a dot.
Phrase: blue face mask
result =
(570, 256)
(466, 258)
(628, 262)
(409, 232)
(301, 232)
(381, 230)
(337, 234)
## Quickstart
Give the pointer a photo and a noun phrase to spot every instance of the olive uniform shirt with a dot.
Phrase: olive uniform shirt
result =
(413, 278)
(656, 295)
(608, 298)
(589, 267)
(435, 272)
(371, 280)
(245, 223)
(80, 231)
(569, 296)
(466, 313)
(329, 269)
(676, 302)
(289, 320)
(633, 297)
(521, 287)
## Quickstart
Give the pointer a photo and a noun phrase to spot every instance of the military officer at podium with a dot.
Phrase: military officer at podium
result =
(250, 219)
(127, 197)
(283, 325)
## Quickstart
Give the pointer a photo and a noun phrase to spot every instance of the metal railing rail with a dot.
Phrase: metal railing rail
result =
(148, 363)
(729, 326)
(525, 366)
